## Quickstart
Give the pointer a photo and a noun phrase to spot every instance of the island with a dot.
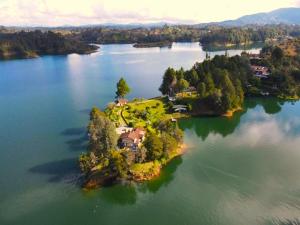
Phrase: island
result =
(131, 141)
(159, 44)
(23, 45)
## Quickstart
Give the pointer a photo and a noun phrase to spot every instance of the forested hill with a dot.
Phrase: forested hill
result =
(37, 43)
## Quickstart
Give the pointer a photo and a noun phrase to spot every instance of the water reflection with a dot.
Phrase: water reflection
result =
(128, 194)
(225, 126)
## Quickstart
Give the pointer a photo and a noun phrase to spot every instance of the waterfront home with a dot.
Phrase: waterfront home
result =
(260, 71)
(121, 102)
(132, 139)
(122, 130)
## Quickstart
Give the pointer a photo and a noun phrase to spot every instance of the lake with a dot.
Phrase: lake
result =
(242, 170)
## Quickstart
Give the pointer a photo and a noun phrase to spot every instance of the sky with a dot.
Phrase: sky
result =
(83, 12)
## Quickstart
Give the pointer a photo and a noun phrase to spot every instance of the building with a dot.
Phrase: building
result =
(180, 108)
(132, 139)
(260, 71)
(121, 102)
(254, 56)
(122, 130)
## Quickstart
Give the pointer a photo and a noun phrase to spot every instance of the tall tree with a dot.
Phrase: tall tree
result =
(154, 147)
(122, 88)
(182, 84)
(201, 89)
(169, 80)
(102, 135)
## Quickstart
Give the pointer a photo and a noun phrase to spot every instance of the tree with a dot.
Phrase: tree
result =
(122, 88)
(209, 83)
(192, 77)
(169, 80)
(102, 135)
(201, 89)
(154, 147)
(169, 144)
(182, 85)
(277, 54)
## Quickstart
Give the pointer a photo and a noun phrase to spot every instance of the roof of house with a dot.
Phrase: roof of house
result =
(122, 101)
(136, 134)
(260, 69)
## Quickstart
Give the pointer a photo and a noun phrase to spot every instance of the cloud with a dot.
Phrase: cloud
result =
(57, 12)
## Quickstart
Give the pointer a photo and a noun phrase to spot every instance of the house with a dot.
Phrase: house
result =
(260, 71)
(132, 139)
(172, 99)
(121, 102)
(122, 130)
(254, 56)
(191, 89)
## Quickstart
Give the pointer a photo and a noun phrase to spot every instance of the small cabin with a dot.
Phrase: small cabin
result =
(121, 102)
(260, 71)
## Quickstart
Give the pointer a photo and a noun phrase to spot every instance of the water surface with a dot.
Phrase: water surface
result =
(243, 170)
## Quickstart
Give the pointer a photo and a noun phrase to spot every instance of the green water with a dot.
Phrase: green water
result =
(242, 170)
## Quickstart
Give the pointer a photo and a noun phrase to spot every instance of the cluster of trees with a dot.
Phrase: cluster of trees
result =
(161, 145)
(35, 43)
(240, 35)
(219, 82)
(207, 35)
(223, 81)
(105, 35)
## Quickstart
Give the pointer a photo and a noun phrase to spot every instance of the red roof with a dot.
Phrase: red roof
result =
(122, 101)
(136, 134)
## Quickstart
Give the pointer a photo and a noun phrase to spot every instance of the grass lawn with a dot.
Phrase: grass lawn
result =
(144, 113)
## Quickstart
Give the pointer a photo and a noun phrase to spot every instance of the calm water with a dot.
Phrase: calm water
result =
(243, 170)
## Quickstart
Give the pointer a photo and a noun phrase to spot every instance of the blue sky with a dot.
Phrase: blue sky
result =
(78, 12)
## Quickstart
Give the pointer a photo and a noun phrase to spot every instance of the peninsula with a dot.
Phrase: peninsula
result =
(133, 140)
(22, 45)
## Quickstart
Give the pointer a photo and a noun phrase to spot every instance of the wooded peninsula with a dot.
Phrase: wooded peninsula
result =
(132, 140)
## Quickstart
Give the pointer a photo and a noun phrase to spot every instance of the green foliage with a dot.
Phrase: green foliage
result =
(192, 77)
(169, 144)
(102, 134)
(85, 162)
(201, 89)
(182, 85)
(31, 44)
(122, 88)
(169, 80)
(154, 146)
(277, 54)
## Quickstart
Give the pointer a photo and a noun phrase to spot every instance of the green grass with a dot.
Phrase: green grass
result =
(144, 113)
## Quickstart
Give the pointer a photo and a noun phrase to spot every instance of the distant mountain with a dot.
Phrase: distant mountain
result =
(289, 16)
(280, 16)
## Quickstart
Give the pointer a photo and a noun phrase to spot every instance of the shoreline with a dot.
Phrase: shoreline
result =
(182, 149)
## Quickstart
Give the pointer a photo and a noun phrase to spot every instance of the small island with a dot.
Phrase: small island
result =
(159, 44)
(133, 140)
(130, 141)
